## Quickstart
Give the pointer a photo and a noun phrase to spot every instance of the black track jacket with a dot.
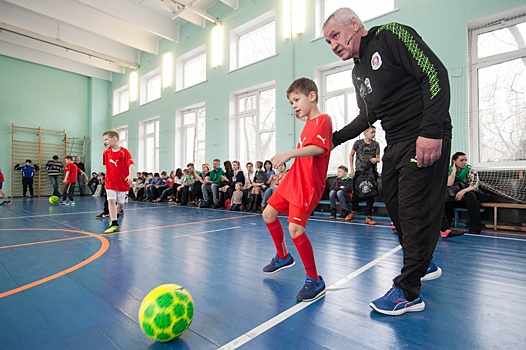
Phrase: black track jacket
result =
(400, 81)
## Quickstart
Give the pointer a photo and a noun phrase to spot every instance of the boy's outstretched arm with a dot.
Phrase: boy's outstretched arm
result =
(129, 178)
(307, 151)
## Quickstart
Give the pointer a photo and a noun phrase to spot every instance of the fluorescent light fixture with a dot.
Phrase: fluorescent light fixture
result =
(217, 45)
(133, 86)
(293, 23)
(167, 70)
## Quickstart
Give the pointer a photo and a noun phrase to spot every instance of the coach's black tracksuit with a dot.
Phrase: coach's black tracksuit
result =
(400, 81)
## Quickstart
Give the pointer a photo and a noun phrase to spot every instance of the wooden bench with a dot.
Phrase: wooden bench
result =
(360, 204)
(496, 206)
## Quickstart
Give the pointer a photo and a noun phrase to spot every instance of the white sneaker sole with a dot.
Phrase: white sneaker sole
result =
(281, 268)
(432, 276)
(414, 308)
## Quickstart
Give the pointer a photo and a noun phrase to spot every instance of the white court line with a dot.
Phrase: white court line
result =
(245, 338)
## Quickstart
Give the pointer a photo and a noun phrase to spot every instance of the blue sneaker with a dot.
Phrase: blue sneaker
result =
(433, 272)
(312, 290)
(394, 303)
(277, 264)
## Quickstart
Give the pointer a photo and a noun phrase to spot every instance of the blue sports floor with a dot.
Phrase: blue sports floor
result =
(64, 285)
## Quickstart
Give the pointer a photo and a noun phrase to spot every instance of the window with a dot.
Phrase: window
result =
(150, 86)
(253, 41)
(121, 101)
(191, 68)
(123, 136)
(150, 145)
(191, 136)
(255, 125)
(338, 100)
(364, 10)
(498, 90)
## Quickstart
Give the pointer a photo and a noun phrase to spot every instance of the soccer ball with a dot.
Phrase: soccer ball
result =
(53, 199)
(166, 312)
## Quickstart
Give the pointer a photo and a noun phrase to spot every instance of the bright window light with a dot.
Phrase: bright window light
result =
(167, 69)
(217, 45)
(133, 86)
(293, 24)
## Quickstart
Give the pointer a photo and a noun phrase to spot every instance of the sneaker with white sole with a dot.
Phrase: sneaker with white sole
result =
(312, 290)
(433, 272)
(277, 264)
(394, 303)
(102, 216)
(112, 228)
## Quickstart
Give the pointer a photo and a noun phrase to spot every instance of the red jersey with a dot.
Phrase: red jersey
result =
(1, 177)
(117, 168)
(305, 181)
(73, 173)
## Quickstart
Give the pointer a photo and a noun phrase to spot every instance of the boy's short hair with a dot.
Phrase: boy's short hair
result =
(190, 165)
(55, 157)
(111, 133)
(344, 168)
(69, 157)
(156, 175)
(94, 173)
(304, 86)
(28, 160)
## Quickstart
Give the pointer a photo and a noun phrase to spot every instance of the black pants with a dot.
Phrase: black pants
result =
(27, 182)
(414, 198)
(470, 201)
(68, 191)
(369, 201)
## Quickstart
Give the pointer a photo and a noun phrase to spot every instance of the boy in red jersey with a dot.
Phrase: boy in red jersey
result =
(6, 199)
(119, 175)
(70, 179)
(301, 190)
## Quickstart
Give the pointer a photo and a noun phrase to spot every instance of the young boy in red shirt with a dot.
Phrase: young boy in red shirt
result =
(301, 190)
(6, 199)
(119, 175)
(70, 179)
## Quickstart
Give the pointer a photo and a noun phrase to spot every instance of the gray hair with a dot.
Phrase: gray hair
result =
(342, 16)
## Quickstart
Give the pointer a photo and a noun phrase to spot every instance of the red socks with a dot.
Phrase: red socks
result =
(276, 232)
(306, 253)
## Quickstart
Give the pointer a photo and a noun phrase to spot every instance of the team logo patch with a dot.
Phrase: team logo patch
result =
(376, 61)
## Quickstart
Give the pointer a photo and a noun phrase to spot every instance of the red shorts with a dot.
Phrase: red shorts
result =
(296, 214)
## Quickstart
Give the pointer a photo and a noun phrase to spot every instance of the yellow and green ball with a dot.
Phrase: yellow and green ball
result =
(166, 312)
(53, 199)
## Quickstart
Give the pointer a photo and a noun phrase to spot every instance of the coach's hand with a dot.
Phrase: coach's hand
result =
(427, 151)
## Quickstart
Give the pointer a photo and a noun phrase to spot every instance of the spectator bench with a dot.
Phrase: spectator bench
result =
(497, 206)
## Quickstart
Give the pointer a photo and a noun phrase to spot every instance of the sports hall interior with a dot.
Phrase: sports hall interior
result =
(190, 81)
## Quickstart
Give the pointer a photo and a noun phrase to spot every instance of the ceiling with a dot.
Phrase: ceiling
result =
(95, 37)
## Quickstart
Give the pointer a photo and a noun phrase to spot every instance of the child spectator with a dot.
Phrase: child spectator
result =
(300, 192)
(28, 172)
(93, 183)
(237, 197)
(341, 189)
(70, 179)
(119, 175)
(6, 200)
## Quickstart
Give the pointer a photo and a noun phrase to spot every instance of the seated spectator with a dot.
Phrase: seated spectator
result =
(275, 180)
(212, 184)
(197, 191)
(170, 184)
(153, 181)
(269, 171)
(185, 190)
(237, 197)
(260, 178)
(157, 189)
(93, 183)
(236, 175)
(100, 191)
(249, 178)
(463, 184)
(137, 190)
(341, 189)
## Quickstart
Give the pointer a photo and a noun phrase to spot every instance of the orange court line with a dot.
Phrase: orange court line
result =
(42, 242)
(104, 247)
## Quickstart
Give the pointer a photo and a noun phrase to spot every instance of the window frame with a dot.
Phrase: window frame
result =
(474, 65)
(144, 143)
(182, 61)
(145, 93)
(123, 141)
(246, 28)
(118, 95)
(182, 143)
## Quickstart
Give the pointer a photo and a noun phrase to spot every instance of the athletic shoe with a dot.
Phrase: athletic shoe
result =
(112, 228)
(6, 202)
(433, 272)
(277, 264)
(312, 290)
(369, 220)
(350, 216)
(72, 203)
(102, 216)
(63, 203)
(343, 215)
(333, 214)
(121, 213)
(451, 233)
(394, 303)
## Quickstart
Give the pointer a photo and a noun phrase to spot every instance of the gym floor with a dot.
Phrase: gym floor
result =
(65, 285)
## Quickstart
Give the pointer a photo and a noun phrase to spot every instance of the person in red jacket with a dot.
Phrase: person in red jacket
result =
(119, 175)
